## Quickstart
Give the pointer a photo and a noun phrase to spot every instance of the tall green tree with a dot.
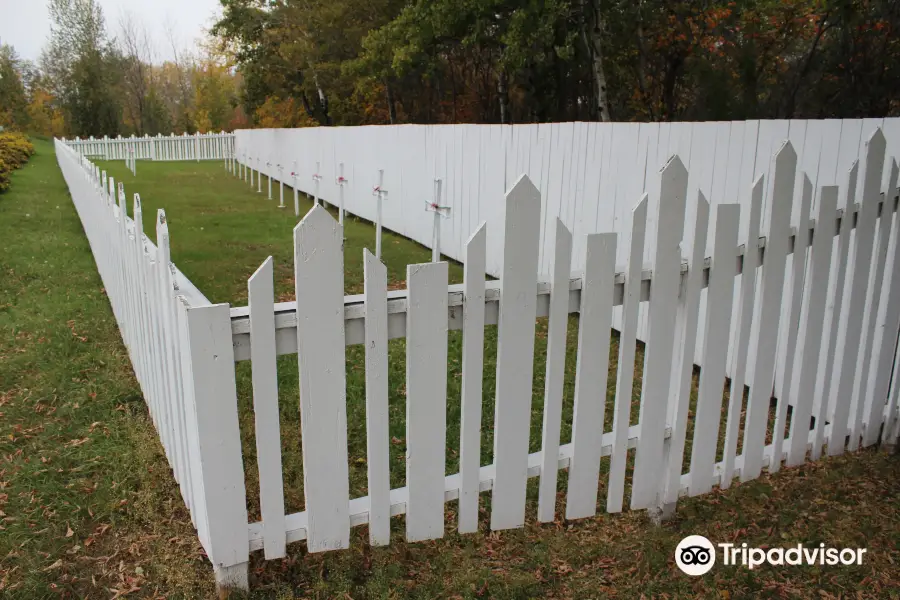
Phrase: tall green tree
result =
(83, 68)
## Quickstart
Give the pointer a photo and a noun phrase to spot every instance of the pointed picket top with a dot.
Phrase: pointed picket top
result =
(138, 220)
(674, 167)
(162, 234)
(785, 158)
(317, 219)
(523, 190)
(673, 189)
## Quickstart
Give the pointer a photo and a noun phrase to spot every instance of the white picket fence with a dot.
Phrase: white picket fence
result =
(589, 175)
(200, 146)
(185, 350)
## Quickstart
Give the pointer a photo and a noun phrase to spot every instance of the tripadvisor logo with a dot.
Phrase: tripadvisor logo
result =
(696, 555)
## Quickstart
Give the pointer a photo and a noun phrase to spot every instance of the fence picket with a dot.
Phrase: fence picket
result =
(591, 372)
(261, 304)
(472, 380)
(813, 316)
(683, 363)
(874, 284)
(426, 399)
(556, 364)
(625, 371)
(377, 433)
(719, 298)
(213, 396)
(661, 333)
(515, 354)
(852, 321)
(794, 296)
(885, 342)
(780, 199)
(830, 341)
(319, 284)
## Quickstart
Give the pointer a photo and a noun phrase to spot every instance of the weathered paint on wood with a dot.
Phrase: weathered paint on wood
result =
(261, 302)
(377, 432)
(426, 399)
(319, 286)
(472, 379)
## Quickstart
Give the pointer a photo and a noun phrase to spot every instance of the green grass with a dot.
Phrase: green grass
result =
(76, 441)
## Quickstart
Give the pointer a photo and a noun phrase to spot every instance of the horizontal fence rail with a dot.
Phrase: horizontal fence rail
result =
(837, 393)
(197, 147)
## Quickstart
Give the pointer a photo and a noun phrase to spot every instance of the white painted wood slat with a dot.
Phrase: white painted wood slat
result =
(216, 435)
(831, 329)
(472, 379)
(377, 432)
(591, 372)
(780, 200)
(648, 466)
(686, 333)
(852, 319)
(793, 296)
(718, 326)
(515, 354)
(625, 369)
(261, 304)
(426, 399)
(872, 329)
(813, 322)
(556, 364)
(889, 322)
(319, 285)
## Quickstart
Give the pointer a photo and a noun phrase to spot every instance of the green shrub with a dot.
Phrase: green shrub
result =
(15, 149)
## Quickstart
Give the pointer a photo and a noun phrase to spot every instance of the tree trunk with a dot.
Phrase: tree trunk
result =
(600, 97)
(642, 61)
(389, 93)
(504, 97)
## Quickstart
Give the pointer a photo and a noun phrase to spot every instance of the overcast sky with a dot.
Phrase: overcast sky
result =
(25, 24)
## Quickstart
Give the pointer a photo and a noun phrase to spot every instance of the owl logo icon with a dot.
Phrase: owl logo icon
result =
(695, 555)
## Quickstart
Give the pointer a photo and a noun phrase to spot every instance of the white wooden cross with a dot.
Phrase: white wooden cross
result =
(316, 178)
(268, 164)
(258, 176)
(340, 180)
(379, 192)
(439, 213)
(280, 186)
(294, 175)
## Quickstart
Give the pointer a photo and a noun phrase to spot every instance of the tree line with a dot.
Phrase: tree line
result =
(87, 83)
(291, 63)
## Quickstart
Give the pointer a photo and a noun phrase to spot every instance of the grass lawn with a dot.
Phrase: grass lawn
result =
(88, 507)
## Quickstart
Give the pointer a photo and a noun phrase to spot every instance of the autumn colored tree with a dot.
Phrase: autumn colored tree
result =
(13, 99)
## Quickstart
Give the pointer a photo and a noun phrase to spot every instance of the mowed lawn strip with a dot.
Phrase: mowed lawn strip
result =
(88, 506)
(101, 449)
